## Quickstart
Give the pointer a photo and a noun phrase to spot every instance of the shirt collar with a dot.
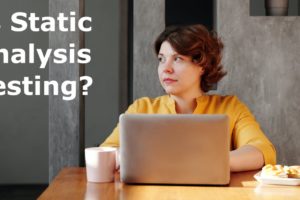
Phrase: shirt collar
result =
(171, 102)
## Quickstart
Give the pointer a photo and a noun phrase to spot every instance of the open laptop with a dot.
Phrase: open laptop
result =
(174, 149)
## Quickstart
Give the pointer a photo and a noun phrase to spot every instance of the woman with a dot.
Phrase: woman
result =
(189, 65)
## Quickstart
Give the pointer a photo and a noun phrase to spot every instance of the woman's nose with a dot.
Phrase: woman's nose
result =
(168, 67)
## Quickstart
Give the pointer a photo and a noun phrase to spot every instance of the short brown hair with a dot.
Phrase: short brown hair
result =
(203, 46)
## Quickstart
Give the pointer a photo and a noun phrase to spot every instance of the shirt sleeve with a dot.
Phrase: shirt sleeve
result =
(248, 132)
(113, 139)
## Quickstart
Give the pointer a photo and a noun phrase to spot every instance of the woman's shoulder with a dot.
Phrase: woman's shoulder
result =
(223, 98)
(231, 102)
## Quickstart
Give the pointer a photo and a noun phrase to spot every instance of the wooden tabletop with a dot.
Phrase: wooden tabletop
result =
(71, 184)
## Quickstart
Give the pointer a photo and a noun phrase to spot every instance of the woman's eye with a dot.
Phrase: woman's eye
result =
(160, 59)
(177, 59)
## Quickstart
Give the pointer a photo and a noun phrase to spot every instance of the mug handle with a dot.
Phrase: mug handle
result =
(117, 160)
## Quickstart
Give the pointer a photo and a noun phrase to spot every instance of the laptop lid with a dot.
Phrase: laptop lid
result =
(174, 149)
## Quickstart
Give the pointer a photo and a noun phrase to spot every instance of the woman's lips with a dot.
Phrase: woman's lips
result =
(169, 80)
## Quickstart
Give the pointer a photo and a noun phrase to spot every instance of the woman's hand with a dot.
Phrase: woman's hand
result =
(246, 158)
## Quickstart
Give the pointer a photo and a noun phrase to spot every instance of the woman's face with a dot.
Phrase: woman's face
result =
(178, 74)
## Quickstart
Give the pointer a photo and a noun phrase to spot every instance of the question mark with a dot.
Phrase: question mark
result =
(89, 82)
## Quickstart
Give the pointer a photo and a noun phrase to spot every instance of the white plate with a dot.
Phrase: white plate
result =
(277, 181)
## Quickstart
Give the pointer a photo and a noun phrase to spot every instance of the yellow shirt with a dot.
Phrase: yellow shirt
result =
(244, 130)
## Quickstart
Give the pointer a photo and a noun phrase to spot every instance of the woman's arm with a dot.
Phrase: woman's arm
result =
(246, 158)
(248, 140)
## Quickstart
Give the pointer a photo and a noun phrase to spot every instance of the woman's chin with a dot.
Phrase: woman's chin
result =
(171, 92)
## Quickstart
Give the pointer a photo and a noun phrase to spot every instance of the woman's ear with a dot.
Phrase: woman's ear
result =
(201, 71)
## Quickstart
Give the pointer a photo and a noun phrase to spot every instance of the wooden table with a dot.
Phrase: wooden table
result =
(71, 184)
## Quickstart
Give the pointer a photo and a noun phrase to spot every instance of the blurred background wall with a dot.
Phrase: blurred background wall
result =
(23, 119)
(262, 60)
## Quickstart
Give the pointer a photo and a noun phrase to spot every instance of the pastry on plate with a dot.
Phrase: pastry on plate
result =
(280, 171)
(294, 172)
(271, 171)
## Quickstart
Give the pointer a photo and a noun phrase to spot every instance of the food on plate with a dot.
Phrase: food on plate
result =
(294, 172)
(274, 171)
(280, 171)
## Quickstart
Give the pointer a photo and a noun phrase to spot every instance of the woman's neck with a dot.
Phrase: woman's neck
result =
(185, 104)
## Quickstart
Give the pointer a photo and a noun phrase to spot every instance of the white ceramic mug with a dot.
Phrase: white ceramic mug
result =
(100, 164)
